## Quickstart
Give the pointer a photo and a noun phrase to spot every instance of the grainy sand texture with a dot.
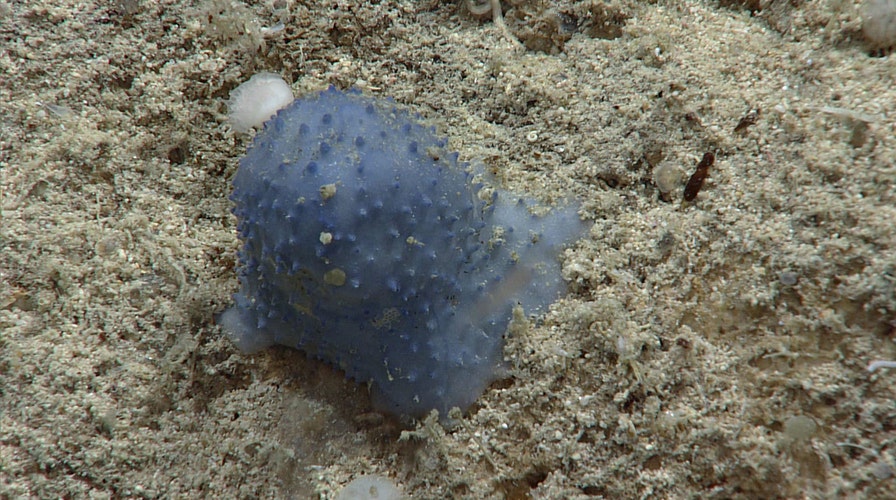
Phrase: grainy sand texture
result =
(707, 349)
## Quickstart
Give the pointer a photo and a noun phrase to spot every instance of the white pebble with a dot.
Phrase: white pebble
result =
(370, 488)
(257, 100)
(874, 365)
(879, 23)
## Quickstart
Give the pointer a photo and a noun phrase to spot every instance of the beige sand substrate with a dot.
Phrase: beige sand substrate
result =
(715, 349)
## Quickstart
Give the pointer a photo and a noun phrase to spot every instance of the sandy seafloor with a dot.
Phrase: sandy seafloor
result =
(715, 349)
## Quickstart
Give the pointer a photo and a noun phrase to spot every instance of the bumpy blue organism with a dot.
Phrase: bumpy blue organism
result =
(367, 245)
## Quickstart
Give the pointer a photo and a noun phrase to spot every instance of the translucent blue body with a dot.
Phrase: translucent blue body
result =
(365, 244)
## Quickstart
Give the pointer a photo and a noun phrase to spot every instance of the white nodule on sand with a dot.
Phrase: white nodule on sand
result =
(874, 365)
(879, 23)
(370, 488)
(257, 100)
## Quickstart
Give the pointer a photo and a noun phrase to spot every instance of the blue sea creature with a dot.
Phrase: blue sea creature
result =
(368, 245)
